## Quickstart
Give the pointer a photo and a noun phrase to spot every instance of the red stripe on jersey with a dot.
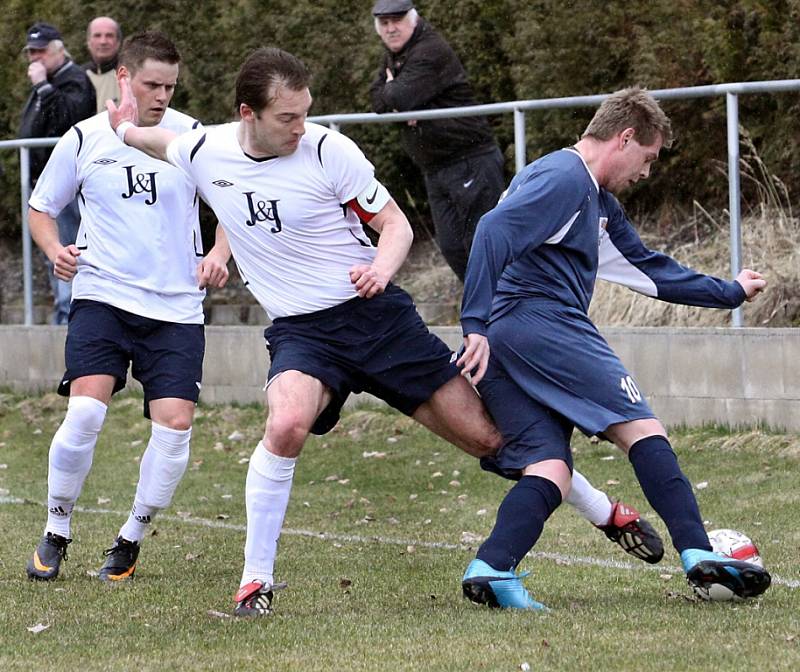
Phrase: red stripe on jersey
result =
(363, 215)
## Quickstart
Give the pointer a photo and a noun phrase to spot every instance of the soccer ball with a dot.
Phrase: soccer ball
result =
(735, 545)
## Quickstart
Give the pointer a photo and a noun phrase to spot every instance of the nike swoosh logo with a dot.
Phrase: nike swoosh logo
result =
(371, 200)
(468, 183)
(39, 564)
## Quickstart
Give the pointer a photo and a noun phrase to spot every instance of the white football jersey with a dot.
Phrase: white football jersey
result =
(140, 235)
(293, 239)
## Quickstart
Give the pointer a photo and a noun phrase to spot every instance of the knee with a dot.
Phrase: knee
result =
(179, 419)
(85, 416)
(285, 433)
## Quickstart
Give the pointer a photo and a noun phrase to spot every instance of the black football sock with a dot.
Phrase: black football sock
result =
(669, 492)
(520, 520)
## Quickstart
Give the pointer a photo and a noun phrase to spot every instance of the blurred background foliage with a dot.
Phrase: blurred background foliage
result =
(512, 49)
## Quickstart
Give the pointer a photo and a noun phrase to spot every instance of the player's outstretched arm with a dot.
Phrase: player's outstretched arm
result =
(151, 140)
(752, 282)
(44, 232)
(393, 246)
(213, 270)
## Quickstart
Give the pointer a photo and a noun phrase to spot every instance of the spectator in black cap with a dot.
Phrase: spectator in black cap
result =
(460, 160)
(61, 96)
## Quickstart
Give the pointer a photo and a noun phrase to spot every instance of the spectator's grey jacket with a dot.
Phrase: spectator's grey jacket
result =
(428, 75)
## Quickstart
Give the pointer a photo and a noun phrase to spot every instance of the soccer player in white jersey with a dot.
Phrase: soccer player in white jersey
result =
(291, 196)
(139, 274)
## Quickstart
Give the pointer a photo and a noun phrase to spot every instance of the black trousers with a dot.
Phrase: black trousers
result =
(459, 194)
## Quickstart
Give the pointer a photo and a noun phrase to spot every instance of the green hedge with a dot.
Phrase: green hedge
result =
(512, 49)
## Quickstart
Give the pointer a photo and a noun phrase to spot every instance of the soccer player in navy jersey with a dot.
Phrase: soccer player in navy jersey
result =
(292, 197)
(543, 368)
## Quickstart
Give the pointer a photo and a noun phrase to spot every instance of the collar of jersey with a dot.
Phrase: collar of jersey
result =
(259, 159)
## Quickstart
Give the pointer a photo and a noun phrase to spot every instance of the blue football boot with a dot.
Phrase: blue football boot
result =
(718, 577)
(484, 585)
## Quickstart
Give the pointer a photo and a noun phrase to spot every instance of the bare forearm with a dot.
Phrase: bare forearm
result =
(44, 232)
(221, 247)
(151, 140)
(393, 246)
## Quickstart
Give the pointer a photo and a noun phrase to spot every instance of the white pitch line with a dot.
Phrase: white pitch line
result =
(389, 541)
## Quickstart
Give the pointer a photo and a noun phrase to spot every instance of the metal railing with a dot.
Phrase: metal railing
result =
(518, 108)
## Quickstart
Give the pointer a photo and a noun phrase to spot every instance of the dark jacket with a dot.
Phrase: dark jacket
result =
(428, 75)
(53, 107)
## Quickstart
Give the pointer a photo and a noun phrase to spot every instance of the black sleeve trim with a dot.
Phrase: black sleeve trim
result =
(80, 139)
(195, 124)
(319, 148)
(197, 147)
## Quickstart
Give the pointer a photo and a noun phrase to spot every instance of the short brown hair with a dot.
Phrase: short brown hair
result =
(150, 44)
(263, 71)
(631, 108)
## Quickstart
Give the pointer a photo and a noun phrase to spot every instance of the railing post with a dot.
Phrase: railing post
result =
(520, 153)
(27, 266)
(734, 195)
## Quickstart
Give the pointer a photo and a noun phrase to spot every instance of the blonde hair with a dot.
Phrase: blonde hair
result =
(632, 108)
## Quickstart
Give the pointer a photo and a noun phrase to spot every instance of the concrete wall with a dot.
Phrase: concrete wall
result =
(690, 376)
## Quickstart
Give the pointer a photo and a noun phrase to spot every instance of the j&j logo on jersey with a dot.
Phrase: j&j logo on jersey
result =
(141, 183)
(104, 162)
(263, 211)
(222, 183)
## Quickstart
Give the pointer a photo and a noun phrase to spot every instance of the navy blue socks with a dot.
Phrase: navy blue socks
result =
(669, 492)
(520, 520)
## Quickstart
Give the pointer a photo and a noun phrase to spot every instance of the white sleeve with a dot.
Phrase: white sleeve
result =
(182, 149)
(345, 164)
(58, 183)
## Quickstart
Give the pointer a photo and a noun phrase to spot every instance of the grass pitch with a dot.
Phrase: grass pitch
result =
(382, 522)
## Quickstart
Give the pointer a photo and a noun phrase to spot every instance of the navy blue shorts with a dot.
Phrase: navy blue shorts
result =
(166, 357)
(378, 345)
(550, 364)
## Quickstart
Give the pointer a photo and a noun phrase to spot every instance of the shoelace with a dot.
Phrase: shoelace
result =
(124, 546)
(61, 546)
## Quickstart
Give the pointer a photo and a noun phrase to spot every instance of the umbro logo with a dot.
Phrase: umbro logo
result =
(104, 162)
(222, 183)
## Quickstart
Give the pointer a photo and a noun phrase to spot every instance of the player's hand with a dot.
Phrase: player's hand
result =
(475, 357)
(212, 272)
(752, 282)
(127, 110)
(37, 73)
(368, 281)
(65, 264)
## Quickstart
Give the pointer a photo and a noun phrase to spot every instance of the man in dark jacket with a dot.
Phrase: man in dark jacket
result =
(461, 162)
(61, 96)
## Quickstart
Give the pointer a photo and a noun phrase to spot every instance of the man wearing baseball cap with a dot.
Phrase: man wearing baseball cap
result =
(61, 96)
(459, 158)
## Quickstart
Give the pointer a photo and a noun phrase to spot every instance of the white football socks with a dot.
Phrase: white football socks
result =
(269, 482)
(591, 503)
(160, 471)
(70, 460)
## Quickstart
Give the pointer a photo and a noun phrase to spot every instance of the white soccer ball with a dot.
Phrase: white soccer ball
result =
(735, 545)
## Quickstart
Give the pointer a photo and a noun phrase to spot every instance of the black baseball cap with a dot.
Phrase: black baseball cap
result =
(41, 34)
(392, 7)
